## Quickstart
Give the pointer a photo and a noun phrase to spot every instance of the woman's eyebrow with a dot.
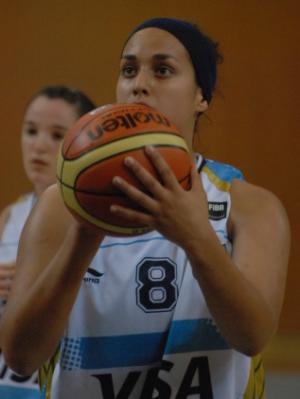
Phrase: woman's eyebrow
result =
(158, 57)
(55, 126)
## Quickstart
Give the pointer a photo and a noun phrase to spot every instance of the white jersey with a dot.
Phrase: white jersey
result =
(13, 386)
(140, 327)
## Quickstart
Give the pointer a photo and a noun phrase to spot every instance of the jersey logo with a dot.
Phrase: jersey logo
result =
(157, 290)
(217, 210)
(197, 370)
(93, 276)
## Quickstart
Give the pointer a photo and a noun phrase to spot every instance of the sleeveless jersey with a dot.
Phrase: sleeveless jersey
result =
(140, 327)
(13, 386)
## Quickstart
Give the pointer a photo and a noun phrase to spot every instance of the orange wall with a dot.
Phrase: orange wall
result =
(253, 121)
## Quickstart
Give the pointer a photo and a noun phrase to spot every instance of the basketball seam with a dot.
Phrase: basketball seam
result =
(111, 194)
(108, 153)
(108, 227)
(121, 153)
(144, 133)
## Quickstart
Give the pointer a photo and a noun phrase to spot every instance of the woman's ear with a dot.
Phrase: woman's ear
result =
(201, 105)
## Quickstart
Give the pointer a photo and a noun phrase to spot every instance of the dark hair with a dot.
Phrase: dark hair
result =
(203, 50)
(71, 95)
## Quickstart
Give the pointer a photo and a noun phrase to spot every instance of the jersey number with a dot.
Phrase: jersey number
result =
(157, 290)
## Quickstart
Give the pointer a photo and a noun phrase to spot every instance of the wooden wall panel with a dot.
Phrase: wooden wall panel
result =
(253, 121)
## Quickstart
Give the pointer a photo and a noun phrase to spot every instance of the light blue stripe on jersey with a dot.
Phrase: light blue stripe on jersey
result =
(143, 240)
(122, 351)
(11, 392)
(194, 335)
(223, 171)
(132, 242)
(141, 349)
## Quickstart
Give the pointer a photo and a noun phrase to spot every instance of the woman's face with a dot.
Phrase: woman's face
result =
(45, 124)
(156, 70)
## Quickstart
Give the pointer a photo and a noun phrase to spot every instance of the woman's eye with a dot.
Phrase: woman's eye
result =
(128, 71)
(57, 136)
(31, 131)
(163, 71)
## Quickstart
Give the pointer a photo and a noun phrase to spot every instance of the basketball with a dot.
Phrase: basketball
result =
(93, 152)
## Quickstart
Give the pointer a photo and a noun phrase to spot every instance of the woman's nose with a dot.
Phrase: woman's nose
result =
(41, 142)
(141, 84)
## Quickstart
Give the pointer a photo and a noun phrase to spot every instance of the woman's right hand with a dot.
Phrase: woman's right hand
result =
(7, 272)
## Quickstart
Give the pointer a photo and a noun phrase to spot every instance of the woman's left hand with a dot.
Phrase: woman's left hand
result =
(175, 212)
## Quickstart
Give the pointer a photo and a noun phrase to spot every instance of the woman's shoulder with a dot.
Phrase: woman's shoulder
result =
(251, 195)
(252, 204)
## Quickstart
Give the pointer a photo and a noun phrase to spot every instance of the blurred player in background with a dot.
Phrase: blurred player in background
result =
(48, 116)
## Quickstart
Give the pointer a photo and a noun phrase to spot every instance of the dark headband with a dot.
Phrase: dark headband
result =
(202, 50)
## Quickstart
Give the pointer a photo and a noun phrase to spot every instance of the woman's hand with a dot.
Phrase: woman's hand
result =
(176, 213)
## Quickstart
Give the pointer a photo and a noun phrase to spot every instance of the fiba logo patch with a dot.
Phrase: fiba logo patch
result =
(92, 276)
(217, 210)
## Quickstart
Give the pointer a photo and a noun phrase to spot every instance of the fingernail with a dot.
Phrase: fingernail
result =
(128, 161)
(117, 180)
(149, 149)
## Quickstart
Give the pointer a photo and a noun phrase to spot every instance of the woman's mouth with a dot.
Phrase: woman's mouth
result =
(38, 162)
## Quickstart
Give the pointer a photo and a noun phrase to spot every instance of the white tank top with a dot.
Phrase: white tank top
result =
(18, 214)
(140, 326)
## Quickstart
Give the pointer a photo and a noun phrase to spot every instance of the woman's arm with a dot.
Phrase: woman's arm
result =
(244, 292)
(53, 255)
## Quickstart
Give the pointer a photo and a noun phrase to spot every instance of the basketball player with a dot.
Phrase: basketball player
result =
(49, 114)
(180, 312)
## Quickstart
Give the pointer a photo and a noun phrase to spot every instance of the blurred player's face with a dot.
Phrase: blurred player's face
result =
(156, 70)
(45, 124)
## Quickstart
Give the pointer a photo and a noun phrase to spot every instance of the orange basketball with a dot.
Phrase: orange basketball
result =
(93, 152)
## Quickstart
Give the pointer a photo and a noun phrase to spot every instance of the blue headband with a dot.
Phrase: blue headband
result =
(202, 50)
